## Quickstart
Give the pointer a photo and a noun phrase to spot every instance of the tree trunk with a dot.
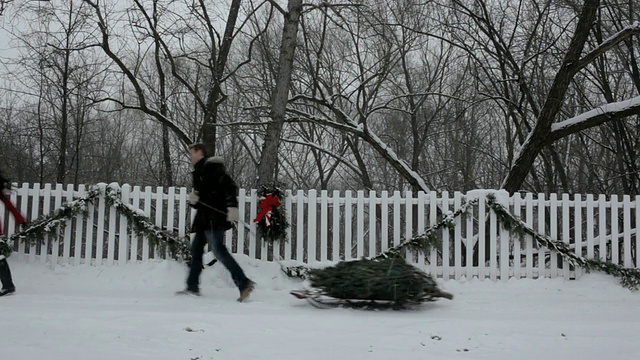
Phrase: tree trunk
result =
(214, 98)
(539, 137)
(269, 155)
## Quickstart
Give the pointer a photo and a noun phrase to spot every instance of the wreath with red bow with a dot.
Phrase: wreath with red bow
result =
(271, 219)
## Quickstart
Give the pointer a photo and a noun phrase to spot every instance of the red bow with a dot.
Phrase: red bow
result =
(267, 204)
(12, 209)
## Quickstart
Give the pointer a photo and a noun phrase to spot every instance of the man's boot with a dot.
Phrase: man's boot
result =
(5, 278)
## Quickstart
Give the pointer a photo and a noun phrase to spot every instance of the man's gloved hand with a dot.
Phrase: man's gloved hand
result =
(232, 214)
(194, 198)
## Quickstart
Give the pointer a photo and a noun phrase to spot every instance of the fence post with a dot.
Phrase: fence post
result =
(123, 238)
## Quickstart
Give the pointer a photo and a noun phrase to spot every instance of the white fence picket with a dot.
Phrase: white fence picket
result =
(100, 230)
(24, 205)
(35, 210)
(46, 210)
(373, 221)
(77, 244)
(482, 212)
(446, 255)
(590, 228)
(384, 221)
(553, 232)
(241, 227)
(578, 230)
(457, 241)
(396, 218)
(171, 203)
(360, 224)
(626, 216)
(159, 207)
(324, 220)
(602, 233)
(312, 227)
(542, 266)
(347, 225)
(299, 227)
(469, 243)
(147, 210)
(123, 237)
(135, 203)
(66, 241)
(637, 231)
(566, 232)
(335, 226)
(517, 246)
(433, 219)
(421, 225)
(529, 239)
(615, 241)
(289, 210)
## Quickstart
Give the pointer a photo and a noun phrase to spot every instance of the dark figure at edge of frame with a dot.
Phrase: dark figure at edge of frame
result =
(214, 197)
(6, 280)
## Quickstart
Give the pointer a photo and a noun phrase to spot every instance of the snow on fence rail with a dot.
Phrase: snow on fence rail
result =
(332, 226)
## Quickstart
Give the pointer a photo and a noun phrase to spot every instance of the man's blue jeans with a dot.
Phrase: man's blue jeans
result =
(215, 239)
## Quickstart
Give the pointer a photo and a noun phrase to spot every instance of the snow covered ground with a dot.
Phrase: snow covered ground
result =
(131, 313)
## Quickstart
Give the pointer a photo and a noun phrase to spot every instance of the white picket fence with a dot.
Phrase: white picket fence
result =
(332, 226)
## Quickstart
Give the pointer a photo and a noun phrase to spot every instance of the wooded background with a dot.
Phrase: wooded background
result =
(390, 95)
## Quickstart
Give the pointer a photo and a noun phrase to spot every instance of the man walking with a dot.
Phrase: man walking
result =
(214, 197)
(5, 272)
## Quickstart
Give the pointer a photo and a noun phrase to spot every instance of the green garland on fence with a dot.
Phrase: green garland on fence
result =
(45, 225)
(35, 231)
(142, 225)
(277, 229)
(421, 243)
(629, 278)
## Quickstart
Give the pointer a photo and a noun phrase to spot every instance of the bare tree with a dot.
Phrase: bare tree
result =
(269, 155)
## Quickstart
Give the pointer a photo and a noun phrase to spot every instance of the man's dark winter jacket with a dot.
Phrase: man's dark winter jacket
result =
(217, 192)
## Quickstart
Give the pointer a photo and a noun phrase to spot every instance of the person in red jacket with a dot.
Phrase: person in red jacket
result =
(5, 272)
